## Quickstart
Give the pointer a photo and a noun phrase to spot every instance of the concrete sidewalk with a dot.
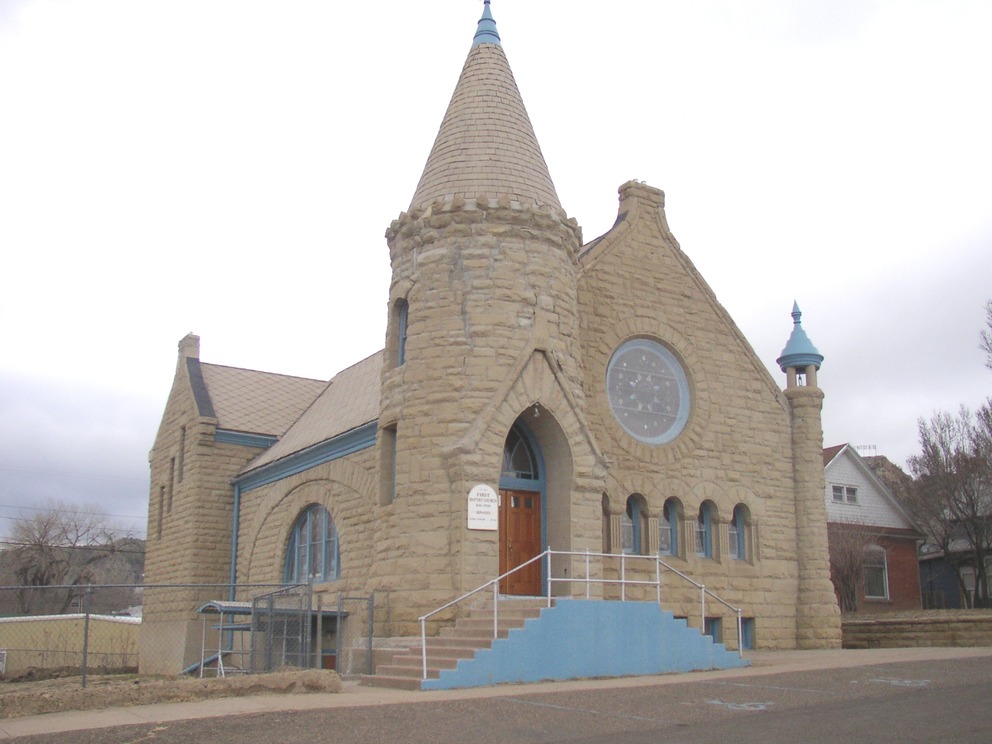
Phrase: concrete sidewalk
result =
(354, 695)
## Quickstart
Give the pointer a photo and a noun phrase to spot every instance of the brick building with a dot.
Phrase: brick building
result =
(598, 387)
(859, 504)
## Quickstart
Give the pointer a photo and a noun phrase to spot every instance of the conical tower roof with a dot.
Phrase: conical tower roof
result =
(799, 350)
(486, 144)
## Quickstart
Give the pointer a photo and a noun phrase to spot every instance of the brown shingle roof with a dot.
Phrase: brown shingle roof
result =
(349, 400)
(831, 452)
(486, 143)
(257, 402)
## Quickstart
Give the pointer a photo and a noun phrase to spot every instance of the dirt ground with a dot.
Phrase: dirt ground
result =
(33, 697)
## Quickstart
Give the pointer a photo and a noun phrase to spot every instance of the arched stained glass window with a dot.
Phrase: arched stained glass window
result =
(737, 533)
(704, 535)
(312, 552)
(518, 458)
(668, 529)
(633, 527)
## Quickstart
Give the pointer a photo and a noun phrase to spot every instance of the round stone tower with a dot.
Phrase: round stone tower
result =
(483, 279)
(817, 613)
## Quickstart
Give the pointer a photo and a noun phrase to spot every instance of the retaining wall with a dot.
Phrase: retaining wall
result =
(925, 628)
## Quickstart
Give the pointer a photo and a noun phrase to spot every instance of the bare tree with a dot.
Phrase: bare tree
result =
(849, 543)
(60, 546)
(952, 495)
(986, 335)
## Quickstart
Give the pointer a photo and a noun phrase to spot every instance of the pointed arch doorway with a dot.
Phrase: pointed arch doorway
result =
(521, 514)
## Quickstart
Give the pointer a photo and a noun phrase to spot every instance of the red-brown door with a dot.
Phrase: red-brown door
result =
(519, 541)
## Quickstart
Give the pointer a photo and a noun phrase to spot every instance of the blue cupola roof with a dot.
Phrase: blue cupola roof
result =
(799, 352)
(486, 33)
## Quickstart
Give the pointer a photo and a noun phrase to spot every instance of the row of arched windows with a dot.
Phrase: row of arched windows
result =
(672, 524)
(312, 552)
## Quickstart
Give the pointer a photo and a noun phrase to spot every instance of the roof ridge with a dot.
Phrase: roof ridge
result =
(262, 372)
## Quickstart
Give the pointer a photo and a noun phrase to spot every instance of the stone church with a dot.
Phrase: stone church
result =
(534, 392)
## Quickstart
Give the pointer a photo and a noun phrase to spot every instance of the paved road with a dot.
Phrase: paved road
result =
(947, 700)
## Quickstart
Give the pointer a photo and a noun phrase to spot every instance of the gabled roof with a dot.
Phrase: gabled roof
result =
(349, 400)
(486, 144)
(832, 455)
(829, 453)
(246, 400)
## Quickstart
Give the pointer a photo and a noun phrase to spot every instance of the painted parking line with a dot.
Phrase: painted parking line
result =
(774, 687)
(902, 682)
(587, 711)
(749, 707)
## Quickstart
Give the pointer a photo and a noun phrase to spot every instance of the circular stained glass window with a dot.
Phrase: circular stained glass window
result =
(648, 391)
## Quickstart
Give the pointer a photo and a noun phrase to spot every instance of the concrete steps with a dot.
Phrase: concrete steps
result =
(462, 640)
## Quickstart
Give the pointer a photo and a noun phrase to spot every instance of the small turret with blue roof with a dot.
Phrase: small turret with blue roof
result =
(799, 355)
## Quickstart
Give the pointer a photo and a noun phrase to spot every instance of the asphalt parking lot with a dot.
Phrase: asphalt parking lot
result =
(946, 699)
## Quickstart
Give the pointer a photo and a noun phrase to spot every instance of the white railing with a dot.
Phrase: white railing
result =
(589, 582)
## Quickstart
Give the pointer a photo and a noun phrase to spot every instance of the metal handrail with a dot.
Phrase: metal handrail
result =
(623, 581)
(494, 583)
(703, 591)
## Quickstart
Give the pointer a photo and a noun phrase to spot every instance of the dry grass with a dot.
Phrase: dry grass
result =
(64, 693)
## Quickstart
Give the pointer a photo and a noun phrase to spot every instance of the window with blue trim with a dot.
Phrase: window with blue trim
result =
(714, 629)
(737, 533)
(668, 528)
(630, 527)
(312, 552)
(747, 633)
(704, 532)
(518, 458)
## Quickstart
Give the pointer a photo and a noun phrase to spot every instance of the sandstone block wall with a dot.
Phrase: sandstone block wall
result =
(923, 628)
(737, 446)
(492, 332)
(190, 520)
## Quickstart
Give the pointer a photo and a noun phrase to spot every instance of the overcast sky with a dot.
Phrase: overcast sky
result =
(229, 167)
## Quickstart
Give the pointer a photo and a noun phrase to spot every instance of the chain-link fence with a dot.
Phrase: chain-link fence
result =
(193, 629)
(58, 630)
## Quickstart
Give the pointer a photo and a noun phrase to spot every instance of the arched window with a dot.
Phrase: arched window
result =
(668, 528)
(704, 531)
(631, 526)
(518, 458)
(312, 553)
(737, 533)
(607, 547)
(876, 573)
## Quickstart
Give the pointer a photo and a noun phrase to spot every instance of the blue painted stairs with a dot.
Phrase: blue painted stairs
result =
(574, 639)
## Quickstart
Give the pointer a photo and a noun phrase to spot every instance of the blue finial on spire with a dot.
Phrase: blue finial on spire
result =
(486, 32)
(799, 352)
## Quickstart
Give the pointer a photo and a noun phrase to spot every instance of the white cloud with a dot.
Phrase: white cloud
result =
(229, 168)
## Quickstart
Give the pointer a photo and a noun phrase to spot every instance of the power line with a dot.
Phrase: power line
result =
(64, 473)
(69, 511)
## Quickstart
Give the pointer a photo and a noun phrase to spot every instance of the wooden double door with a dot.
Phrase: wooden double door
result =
(519, 541)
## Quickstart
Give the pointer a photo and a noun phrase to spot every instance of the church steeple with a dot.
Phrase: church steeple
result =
(486, 144)
(486, 32)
